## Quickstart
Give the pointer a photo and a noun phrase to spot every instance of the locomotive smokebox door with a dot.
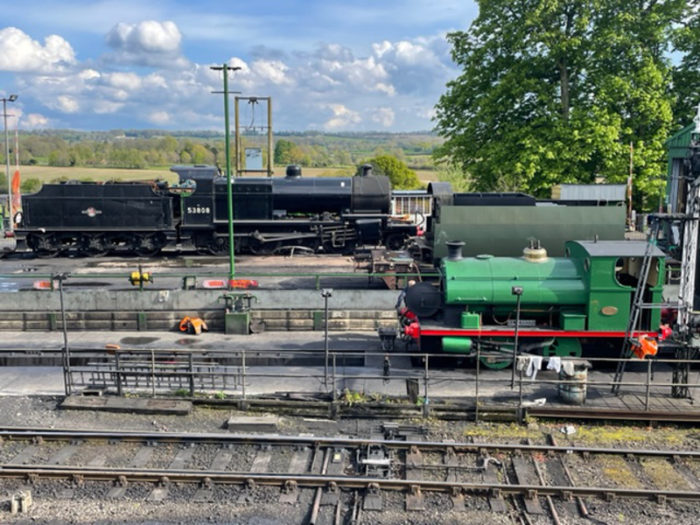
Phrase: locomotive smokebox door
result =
(423, 299)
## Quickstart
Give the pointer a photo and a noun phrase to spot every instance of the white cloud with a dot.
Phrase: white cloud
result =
(159, 117)
(67, 104)
(19, 52)
(89, 74)
(384, 117)
(148, 43)
(342, 117)
(124, 81)
(35, 121)
(273, 71)
(148, 36)
(105, 107)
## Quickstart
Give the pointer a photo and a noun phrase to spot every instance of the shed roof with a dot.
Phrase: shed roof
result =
(618, 248)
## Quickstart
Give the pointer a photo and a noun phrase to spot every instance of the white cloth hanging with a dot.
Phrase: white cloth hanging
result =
(554, 363)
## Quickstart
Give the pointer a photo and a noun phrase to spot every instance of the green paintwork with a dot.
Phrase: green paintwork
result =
(608, 306)
(489, 281)
(564, 347)
(590, 289)
(505, 230)
(457, 345)
(470, 320)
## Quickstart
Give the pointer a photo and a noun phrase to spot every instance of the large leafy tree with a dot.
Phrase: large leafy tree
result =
(686, 74)
(555, 91)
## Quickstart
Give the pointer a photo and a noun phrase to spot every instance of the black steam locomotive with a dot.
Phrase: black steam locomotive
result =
(329, 214)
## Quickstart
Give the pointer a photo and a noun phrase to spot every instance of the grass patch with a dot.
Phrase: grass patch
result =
(500, 431)
(616, 470)
(664, 476)
(595, 435)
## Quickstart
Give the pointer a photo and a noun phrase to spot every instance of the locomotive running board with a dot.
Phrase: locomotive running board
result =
(530, 333)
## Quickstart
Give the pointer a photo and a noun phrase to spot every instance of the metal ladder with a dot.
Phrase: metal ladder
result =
(686, 293)
(638, 306)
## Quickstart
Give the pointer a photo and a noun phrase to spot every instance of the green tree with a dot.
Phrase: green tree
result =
(59, 158)
(555, 91)
(686, 74)
(30, 185)
(401, 177)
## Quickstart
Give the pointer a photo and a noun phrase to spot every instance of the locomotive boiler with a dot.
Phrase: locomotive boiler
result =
(558, 305)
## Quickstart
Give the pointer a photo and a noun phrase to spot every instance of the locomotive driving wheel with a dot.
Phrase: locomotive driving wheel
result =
(146, 245)
(43, 245)
(93, 245)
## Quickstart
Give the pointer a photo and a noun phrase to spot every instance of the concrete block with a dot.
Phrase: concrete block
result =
(275, 325)
(124, 325)
(361, 314)
(362, 324)
(299, 314)
(301, 324)
(32, 316)
(11, 325)
(11, 316)
(386, 314)
(98, 316)
(337, 324)
(337, 314)
(273, 314)
(37, 325)
(252, 424)
(98, 325)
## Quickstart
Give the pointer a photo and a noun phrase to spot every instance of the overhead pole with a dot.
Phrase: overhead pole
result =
(229, 189)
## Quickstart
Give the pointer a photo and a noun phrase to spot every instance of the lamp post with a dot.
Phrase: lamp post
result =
(229, 194)
(517, 291)
(5, 100)
(325, 293)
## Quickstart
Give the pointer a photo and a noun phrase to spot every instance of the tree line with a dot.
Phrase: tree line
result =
(145, 149)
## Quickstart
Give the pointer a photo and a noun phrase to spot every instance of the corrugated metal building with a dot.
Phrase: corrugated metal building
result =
(611, 193)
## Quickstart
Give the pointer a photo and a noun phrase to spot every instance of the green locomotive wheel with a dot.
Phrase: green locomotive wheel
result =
(496, 362)
(564, 347)
(501, 360)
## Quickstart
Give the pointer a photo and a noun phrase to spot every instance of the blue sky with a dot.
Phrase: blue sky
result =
(328, 65)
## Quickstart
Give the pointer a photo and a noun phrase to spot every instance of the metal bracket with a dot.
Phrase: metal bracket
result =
(238, 302)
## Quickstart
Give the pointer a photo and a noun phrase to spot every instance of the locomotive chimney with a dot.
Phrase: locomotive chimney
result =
(293, 171)
(366, 170)
(454, 250)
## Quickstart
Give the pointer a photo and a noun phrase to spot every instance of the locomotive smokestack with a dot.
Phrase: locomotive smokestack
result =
(454, 250)
(366, 170)
(293, 171)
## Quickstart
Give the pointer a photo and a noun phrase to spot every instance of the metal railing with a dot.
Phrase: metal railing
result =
(241, 373)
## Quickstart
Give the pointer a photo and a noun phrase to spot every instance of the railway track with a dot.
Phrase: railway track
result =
(355, 475)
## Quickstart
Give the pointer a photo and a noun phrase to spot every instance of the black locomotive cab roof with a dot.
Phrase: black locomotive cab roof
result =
(617, 248)
(198, 171)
